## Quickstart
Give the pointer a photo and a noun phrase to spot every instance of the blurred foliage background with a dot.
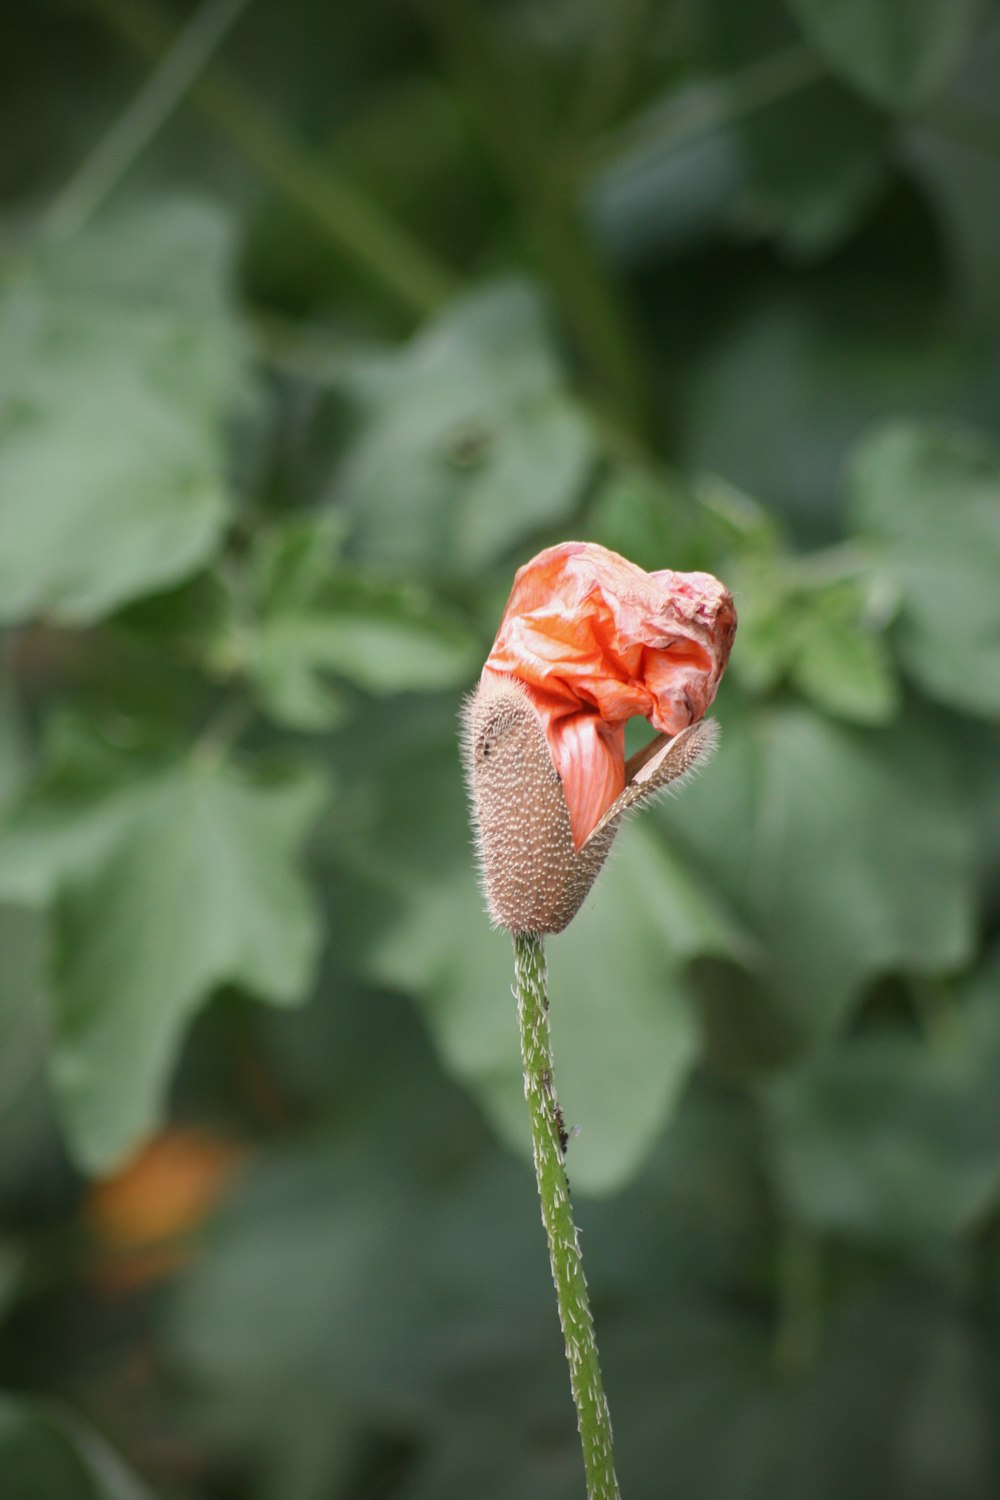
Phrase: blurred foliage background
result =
(317, 320)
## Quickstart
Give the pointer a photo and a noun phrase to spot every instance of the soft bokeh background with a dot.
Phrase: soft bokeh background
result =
(317, 320)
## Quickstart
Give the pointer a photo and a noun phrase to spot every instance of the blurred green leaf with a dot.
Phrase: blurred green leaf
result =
(290, 563)
(470, 440)
(67, 818)
(24, 1020)
(660, 521)
(285, 667)
(647, 521)
(164, 889)
(962, 179)
(977, 755)
(12, 747)
(850, 852)
(810, 155)
(198, 889)
(898, 52)
(303, 1297)
(48, 1453)
(889, 1137)
(621, 1000)
(798, 373)
(315, 618)
(769, 611)
(343, 1277)
(815, 162)
(952, 152)
(28, 1131)
(931, 499)
(843, 665)
(121, 369)
(385, 639)
(665, 186)
(798, 628)
(895, 1404)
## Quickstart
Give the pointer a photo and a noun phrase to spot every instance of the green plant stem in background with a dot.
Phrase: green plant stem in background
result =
(145, 117)
(548, 1143)
(547, 202)
(362, 231)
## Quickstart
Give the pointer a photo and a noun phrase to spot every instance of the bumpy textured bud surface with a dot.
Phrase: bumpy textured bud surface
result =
(534, 877)
(587, 641)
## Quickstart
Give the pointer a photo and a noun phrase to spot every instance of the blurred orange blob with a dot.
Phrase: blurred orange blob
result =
(145, 1215)
(595, 640)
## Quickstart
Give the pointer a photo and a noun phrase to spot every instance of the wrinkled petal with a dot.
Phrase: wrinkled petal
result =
(596, 641)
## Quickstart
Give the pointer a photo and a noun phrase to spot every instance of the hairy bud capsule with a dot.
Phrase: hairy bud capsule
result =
(534, 877)
(587, 641)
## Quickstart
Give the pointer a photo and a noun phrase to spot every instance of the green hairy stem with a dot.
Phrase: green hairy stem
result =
(548, 1138)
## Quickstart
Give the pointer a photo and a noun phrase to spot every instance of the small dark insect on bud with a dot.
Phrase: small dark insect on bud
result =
(534, 878)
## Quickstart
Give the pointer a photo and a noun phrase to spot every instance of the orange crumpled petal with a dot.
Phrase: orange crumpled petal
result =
(596, 640)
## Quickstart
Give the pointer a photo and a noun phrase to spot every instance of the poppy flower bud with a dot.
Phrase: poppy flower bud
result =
(587, 640)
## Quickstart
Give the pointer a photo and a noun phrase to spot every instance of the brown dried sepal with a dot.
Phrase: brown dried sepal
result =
(534, 878)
